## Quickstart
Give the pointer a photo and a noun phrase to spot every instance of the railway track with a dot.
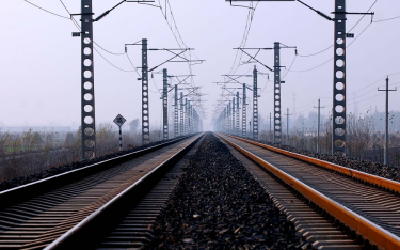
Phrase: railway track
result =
(119, 203)
(54, 210)
(363, 208)
(205, 200)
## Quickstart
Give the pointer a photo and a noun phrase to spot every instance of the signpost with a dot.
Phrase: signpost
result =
(119, 121)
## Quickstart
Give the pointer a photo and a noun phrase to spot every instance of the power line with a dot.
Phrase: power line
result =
(79, 28)
(369, 85)
(52, 13)
(114, 53)
(179, 34)
(366, 99)
(359, 20)
(249, 23)
(310, 69)
(121, 69)
(307, 70)
(132, 64)
(386, 19)
(362, 32)
(313, 54)
(316, 53)
(288, 70)
(176, 36)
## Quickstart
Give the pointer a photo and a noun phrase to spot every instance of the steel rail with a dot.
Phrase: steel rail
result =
(370, 230)
(368, 178)
(57, 242)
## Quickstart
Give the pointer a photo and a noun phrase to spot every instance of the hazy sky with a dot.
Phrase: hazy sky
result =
(40, 66)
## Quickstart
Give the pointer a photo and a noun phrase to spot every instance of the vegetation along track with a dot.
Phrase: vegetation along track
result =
(365, 209)
(53, 210)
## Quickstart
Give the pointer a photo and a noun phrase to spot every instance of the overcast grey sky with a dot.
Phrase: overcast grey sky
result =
(40, 66)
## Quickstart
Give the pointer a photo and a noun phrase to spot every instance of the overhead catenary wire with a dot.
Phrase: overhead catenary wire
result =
(369, 85)
(182, 43)
(246, 33)
(47, 11)
(96, 44)
(386, 19)
(316, 53)
(121, 69)
(322, 64)
(355, 25)
(288, 70)
(359, 20)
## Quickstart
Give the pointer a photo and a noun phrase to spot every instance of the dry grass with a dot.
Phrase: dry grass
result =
(33, 152)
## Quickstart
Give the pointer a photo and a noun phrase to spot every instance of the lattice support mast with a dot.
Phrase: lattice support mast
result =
(233, 116)
(88, 125)
(229, 117)
(165, 106)
(244, 111)
(277, 96)
(237, 115)
(181, 115)
(255, 105)
(186, 116)
(176, 116)
(339, 82)
(145, 95)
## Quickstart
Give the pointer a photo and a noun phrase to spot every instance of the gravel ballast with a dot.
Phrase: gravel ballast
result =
(218, 204)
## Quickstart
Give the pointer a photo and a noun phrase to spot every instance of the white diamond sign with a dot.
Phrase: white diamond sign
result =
(119, 120)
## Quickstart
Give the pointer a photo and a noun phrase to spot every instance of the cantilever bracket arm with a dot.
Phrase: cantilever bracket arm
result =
(318, 12)
(184, 80)
(169, 60)
(177, 55)
(232, 93)
(235, 79)
(123, 1)
(252, 57)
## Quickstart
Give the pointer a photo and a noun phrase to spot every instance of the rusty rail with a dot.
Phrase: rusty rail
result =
(359, 224)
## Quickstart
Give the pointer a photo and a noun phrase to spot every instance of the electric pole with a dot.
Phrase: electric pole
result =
(186, 116)
(145, 95)
(88, 121)
(319, 119)
(255, 105)
(88, 125)
(277, 96)
(387, 121)
(176, 125)
(237, 115)
(233, 116)
(277, 84)
(244, 111)
(190, 119)
(165, 107)
(287, 125)
(339, 77)
(234, 79)
(339, 80)
(229, 117)
(181, 115)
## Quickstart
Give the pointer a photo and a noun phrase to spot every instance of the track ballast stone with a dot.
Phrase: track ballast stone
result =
(219, 205)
